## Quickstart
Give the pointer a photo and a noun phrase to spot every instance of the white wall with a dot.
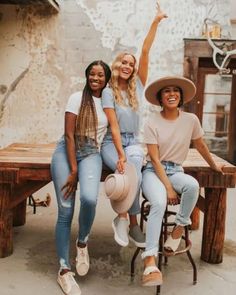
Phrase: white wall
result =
(43, 57)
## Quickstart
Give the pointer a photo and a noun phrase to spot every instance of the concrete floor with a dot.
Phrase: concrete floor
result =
(33, 267)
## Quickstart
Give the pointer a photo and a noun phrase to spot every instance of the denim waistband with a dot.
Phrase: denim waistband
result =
(169, 163)
(83, 151)
(127, 133)
(127, 138)
(170, 167)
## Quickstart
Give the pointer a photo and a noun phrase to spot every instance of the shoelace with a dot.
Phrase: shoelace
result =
(70, 277)
(82, 252)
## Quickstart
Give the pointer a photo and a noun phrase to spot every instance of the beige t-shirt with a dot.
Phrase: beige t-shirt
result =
(173, 137)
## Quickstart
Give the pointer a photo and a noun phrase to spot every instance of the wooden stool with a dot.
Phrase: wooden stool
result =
(145, 208)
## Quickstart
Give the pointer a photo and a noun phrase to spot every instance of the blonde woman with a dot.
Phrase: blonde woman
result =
(121, 104)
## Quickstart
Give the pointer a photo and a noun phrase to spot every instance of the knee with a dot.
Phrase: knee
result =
(135, 155)
(192, 187)
(88, 201)
(65, 214)
(158, 202)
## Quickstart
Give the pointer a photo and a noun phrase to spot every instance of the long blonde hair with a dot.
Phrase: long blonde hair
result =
(131, 90)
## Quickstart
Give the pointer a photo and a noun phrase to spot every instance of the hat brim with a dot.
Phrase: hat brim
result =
(122, 206)
(187, 86)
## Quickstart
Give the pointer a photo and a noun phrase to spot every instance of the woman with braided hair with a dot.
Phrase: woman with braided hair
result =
(77, 157)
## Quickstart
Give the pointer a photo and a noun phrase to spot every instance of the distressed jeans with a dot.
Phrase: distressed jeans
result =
(154, 190)
(89, 175)
(134, 154)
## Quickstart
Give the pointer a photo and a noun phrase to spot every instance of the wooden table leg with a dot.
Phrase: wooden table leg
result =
(214, 225)
(19, 214)
(6, 217)
(8, 178)
(195, 218)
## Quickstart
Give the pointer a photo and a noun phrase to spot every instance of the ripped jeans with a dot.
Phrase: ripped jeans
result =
(89, 173)
(134, 154)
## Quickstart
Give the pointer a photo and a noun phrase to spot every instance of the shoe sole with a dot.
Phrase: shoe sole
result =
(152, 280)
(140, 245)
(63, 290)
(61, 287)
(152, 284)
(82, 269)
(117, 239)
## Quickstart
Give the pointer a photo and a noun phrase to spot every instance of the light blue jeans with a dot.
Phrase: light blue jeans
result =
(154, 190)
(134, 154)
(89, 174)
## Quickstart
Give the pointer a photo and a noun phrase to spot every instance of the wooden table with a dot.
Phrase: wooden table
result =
(25, 168)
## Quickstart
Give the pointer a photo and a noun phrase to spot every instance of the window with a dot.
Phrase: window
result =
(215, 119)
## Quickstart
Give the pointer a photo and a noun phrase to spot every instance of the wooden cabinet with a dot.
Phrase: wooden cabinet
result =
(215, 101)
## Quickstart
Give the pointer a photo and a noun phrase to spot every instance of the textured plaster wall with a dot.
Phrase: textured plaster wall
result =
(43, 57)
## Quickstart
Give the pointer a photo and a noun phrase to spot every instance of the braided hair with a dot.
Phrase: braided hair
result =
(87, 121)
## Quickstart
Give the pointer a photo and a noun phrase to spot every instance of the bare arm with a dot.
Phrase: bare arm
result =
(147, 44)
(153, 152)
(71, 184)
(202, 148)
(115, 131)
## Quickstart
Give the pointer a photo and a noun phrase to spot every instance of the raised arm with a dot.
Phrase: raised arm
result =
(202, 148)
(116, 137)
(147, 44)
(153, 152)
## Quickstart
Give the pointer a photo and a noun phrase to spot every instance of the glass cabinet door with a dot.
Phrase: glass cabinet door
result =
(216, 109)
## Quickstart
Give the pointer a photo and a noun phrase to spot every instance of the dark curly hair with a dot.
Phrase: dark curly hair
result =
(181, 102)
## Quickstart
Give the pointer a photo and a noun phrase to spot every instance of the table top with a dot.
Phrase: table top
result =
(20, 155)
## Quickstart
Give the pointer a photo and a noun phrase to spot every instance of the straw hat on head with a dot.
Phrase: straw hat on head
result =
(187, 86)
(121, 189)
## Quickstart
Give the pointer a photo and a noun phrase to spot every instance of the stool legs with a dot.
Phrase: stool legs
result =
(132, 270)
(190, 256)
(164, 234)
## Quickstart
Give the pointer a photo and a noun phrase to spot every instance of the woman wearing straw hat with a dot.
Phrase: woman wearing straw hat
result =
(121, 104)
(168, 135)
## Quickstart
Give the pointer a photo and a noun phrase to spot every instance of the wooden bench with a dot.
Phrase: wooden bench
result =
(25, 168)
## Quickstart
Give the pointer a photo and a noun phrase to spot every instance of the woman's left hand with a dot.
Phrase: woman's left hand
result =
(219, 168)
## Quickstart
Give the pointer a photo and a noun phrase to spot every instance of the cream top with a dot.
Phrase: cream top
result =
(173, 137)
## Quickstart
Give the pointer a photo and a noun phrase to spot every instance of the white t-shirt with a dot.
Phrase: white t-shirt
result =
(73, 106)
(173, 137)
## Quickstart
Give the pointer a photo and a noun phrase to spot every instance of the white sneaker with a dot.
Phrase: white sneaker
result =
(120, 227)
(82, 260)
(68, 283)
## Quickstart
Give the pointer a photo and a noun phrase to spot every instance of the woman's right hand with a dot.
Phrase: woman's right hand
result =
(120, 165)
(172, 197)
(70, 186)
